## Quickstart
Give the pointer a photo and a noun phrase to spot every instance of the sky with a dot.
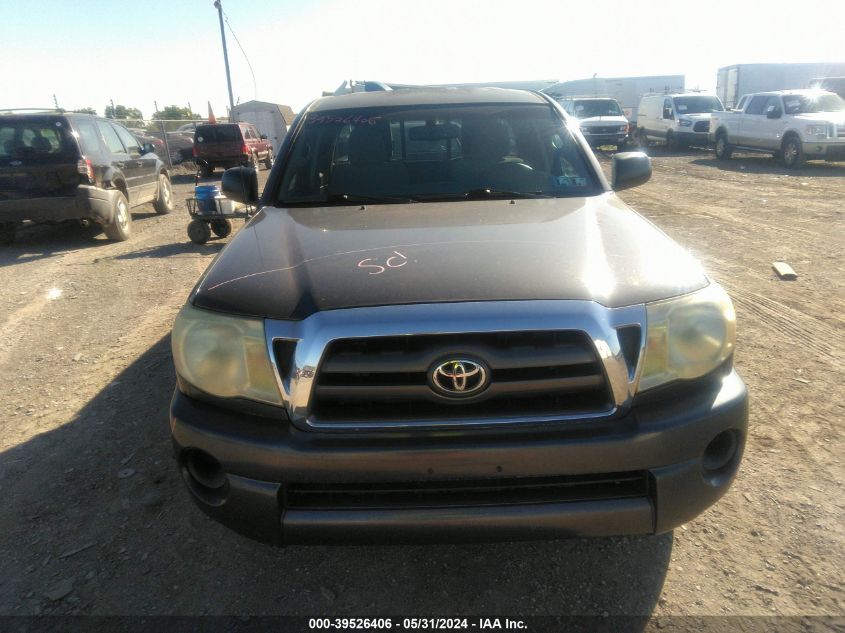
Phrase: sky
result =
(139, 53)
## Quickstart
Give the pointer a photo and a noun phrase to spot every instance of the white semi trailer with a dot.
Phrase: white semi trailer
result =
(741, 79)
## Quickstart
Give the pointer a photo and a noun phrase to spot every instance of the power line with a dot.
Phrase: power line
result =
(252, 72)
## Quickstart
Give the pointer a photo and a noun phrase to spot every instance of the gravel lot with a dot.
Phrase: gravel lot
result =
(95, 520)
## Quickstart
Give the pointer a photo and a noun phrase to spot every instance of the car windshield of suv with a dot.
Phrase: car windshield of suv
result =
(800, 104)
(35, 140)
(217, 133)
(427, 153)
(596, 107)
(697, 105)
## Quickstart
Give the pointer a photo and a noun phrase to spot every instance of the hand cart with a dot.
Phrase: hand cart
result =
(213, 213)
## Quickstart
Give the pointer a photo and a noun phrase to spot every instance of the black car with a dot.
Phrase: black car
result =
(61, 166)
(476, 339)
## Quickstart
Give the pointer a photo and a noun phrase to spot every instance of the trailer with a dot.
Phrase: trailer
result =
(741, 79)
(271, 119)
(626, 90)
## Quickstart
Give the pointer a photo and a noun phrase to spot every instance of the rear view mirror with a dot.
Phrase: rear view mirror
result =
(241, 184)
(147, 148)
(630, 169)
(434, 132)
(263, 137)
(667, 113)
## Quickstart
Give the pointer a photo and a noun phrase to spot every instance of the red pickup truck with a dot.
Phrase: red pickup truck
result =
(229, 145)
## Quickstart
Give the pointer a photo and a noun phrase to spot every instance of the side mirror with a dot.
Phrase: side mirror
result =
(241, 184)
(773, 112)
(263, 137)
(667, 114)
(147, 148)
(630, 169)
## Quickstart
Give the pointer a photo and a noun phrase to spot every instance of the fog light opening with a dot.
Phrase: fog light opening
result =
(720, 454)
(204, 476)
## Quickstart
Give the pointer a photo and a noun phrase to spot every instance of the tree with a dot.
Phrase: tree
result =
(175, 113)
(122, 112)
(86, 111)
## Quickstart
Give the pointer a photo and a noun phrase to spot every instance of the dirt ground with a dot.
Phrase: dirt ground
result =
(95, 520)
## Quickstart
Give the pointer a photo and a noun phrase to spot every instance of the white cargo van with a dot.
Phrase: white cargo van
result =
(676, 119)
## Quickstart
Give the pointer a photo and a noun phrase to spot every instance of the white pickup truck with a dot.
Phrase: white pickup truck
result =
(793, 125)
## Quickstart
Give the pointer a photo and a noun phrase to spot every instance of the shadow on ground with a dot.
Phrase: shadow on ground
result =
(756, 164)
(176, 249)
(40, 241)
(96, 521)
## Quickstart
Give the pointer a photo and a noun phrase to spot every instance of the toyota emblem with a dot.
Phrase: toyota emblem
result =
(459, 377)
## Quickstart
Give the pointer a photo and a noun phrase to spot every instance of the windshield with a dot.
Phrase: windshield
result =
(697, 105)
(433, 152)
(217, 133)
(595, 107)
(801, 104)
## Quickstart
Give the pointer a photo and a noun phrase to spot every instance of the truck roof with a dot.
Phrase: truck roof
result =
(425, 96)
(795, 91)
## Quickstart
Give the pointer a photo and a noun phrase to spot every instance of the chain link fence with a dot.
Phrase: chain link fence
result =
(173, 139)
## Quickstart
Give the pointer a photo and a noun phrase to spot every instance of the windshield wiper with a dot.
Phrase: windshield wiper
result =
(354, 198)
(475, 194)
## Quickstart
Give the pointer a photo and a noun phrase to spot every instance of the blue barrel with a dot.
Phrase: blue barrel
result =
(205, 195)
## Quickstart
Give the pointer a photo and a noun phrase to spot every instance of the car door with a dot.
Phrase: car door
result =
(119, 159)
(143, 164)
(750, 123)
(771, 128)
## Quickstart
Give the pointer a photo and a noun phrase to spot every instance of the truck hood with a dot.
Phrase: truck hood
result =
(290, 263)
(822, 117)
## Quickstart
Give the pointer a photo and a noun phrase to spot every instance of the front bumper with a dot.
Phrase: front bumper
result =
(597, 140)
(89, 202)
(264, 460)
(824, 149)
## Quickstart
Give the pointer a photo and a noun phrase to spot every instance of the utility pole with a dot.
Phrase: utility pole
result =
(219, 8)
(56, 102)
(113, 113)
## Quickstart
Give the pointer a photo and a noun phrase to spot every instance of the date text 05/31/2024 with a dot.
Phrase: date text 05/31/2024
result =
(413, 624)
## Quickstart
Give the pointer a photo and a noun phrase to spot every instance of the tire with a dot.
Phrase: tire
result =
(722, 148)
(206, 170)
(7, 233)
(792, 154)
(163, 203)
(642, 139)
(253, 162)
(121, 224)
(268, 162)
(221, 228)
(199, 232)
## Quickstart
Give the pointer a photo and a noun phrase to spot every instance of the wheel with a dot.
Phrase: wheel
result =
(199, 231)
(221, 228)
(7, 233)
(268, 162)
(121, 223)
(792, 153)
(722, 148)
(206, 170)
(253, 161)
(642, 139)
(164, 198)
(671, 142)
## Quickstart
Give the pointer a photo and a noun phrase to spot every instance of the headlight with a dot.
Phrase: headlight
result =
(685, 122)
(225, 356)
(688, 337)
(817, 130)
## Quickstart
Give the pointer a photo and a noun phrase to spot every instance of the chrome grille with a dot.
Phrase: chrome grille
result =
(532, 373)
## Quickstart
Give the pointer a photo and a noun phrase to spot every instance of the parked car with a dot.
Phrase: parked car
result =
(229, 144)
(478, 341)
(793, 125)
(677, 119)
(56, 167)
(600, 118)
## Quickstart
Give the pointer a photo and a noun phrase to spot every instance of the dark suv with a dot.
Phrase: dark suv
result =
(443, 324)
(230, 144)
(56, 166)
